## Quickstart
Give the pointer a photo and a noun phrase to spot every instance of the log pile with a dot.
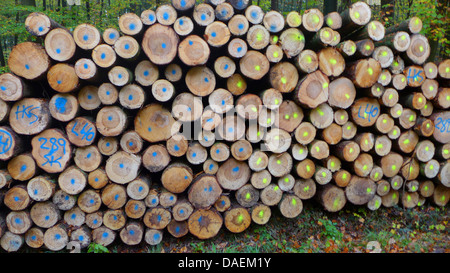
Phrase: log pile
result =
(192, 118)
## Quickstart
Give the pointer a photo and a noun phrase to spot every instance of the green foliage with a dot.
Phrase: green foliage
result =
(435, 19)
(97, 248)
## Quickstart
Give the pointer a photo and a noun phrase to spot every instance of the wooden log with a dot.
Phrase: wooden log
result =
(360, 190)
(86, 70)
(127, 48)
(271, 195)
(182, 210)
(103, 236)
(196, 153)
(11, 242)
(312, 90)
(63, 107)
(72, 180)
(108, 145)
(130, 24)
(88, 158)
(258, 37)
(204, 191)
(205, 224)
(39, 24)
(331, 197)
(41, 188)
(21, 168)
(114, 219)
(110, 35)
(56, 238)
(160, 44)
(123, 167)
(237, 219)
(254, 65)
(154, 123)
(430, 169)
(444, 69)
(224, 12)
(341, 93)
(391, 164)
(260, 214)
(441, 195)
(139, 188)
(290, 206)
(81, 236)
(135, 209)
(419, 49)
(260, 179)
(356, 16)
(74, 217)
(233, 174)
(153, 236)
(374, 30)
(13, 87)
(132, 233)
(87, 36)
(254, 14)
(178, 229)
(63, 78)
(29, 60)
(63, 200)
(131, 142)
(331, 62)
(45, 214)
(51, 150)
(203, 14)
(34, 237)
(18, 222)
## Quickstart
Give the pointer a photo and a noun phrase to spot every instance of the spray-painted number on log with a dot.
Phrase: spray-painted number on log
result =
(88, 135)
(27, 111)
(53, 147)
(415, 75)
(5, 141)
(368, 113)
(443, 125)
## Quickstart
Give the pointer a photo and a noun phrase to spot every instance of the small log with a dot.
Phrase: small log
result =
(182, 210)
(331, 197)
(261, 179)
(63, 107)
(114, 219)
(139, 188)
(364, 73)
(258, 37)
(196, 154)
(34, 237)
(237, 219)
(123, 167)
(441, 195)
(63, 200)
(203, 14)
(130, 24)
(383, 187)
(160, 44)
(51, 150)
(290, 206)
(74, 217)
(305, 168)
(39, 24)
(341, 93)
(154, 123)
(87, 36)
(419, 49)
(56, 238)
(86, 70)
(13, 87)
(204, 191)
(205, 224)
(360, 190)
(131, 142)
(41, 188)
(260, 214)
(108, 145)
(254, 14)
(132, 233)
(21, 168)
(391, 164)
(11, 242)
(271, 195)
(45, 214)
(18, 222)
(110, 35)
(312, 90)
(103, 236)
(354, 17)
(29, 60)
(82, 236)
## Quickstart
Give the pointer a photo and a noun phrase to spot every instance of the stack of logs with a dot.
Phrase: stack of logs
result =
(197, 116)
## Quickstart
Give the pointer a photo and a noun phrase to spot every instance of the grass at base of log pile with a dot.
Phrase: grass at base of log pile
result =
(420, 230)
